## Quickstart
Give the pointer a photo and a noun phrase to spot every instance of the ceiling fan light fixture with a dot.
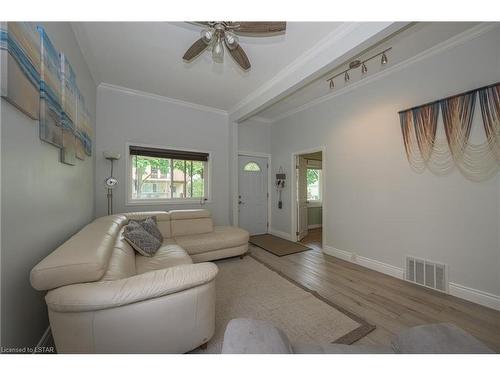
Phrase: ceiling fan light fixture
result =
(207, 35)
(218, 51)
(231, 40)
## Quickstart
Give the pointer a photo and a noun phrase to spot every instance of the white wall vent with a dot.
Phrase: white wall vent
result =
(427, 273)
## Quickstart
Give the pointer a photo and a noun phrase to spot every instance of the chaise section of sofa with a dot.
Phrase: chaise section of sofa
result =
(103, 297)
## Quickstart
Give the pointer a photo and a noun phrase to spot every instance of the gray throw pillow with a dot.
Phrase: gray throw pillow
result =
(149, 224)
(142, 241)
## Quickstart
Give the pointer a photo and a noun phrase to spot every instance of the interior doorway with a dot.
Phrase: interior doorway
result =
(308, 188)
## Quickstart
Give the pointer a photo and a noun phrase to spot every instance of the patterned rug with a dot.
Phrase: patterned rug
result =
(247, 288)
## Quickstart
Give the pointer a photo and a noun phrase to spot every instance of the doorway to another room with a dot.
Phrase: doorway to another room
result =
(309, 178)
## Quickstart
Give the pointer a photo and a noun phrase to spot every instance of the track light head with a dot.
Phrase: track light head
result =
(346, 77)
(364, 69)
(383, 61)
(332, 85)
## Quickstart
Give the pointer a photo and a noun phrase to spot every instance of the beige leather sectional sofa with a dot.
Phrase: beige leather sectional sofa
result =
(103, 297)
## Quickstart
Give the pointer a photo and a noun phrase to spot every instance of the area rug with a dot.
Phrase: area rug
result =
(247, 288)
(277, 246)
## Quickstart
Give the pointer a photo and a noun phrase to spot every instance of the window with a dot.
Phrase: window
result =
(314, 192)
(251, 166)
(159, 175)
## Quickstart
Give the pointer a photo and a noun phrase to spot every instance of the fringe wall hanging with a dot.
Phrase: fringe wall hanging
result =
(425, 150)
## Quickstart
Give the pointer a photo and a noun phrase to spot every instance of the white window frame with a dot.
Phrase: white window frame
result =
(319, 202)
(207, 176)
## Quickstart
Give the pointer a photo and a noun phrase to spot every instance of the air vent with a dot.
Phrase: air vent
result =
(427, 273)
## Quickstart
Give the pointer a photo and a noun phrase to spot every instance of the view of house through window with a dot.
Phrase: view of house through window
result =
(314, 184)
(158, 178)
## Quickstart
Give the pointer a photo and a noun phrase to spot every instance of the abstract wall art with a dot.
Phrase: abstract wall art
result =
(68, 112)
(39, 80)
(51, 130)
(20, 66)
(477, 161)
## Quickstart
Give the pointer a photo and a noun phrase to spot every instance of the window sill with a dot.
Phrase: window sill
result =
(169, 202)
(315, 204)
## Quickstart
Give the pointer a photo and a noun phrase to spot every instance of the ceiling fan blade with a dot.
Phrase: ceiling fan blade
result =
(201, 23)
(193, 51)
(240, 57)
(259, 27)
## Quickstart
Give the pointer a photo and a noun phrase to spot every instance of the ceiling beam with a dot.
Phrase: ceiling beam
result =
(344, 43)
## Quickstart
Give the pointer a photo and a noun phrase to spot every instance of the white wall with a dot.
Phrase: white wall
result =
(126, 116)
(254, 136)
(43, 203)
(377, 207)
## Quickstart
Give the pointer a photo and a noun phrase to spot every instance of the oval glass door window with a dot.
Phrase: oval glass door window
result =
(251, 167)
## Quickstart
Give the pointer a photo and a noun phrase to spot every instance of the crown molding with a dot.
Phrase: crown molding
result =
(261, 119)
(452, 42)
(144, 94)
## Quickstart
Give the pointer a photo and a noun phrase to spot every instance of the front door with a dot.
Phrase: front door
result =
(252, 182)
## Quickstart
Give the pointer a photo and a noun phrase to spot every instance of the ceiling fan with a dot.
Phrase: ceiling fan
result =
(216, 34)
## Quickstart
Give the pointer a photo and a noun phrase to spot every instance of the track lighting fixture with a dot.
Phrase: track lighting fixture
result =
(354, 64)
(383, 60)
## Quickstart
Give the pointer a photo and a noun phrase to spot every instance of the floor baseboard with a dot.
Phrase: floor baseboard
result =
(470, 294)
(314, 226)
(280, 234)
(474, 295)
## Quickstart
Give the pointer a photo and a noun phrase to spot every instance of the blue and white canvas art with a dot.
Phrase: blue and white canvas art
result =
(39, 80)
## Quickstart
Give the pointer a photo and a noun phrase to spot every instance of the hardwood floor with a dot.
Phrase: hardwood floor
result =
(313, 238)
(389, 303)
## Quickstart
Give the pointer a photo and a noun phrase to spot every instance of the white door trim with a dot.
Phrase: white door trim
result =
(293, 191)
(268, 156)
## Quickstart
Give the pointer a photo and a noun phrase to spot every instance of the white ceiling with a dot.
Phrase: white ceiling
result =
(405, 44)
(147, 56)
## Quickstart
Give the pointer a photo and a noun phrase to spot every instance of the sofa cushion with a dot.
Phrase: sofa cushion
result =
(169, 255)
(187, 222)
(441, 338)
(142, 241)
(122, 262)
(220, 238)
(82, 258)
(189, 214)
(162, 220)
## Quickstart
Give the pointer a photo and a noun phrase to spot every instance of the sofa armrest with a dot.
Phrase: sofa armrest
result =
(108, 294)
